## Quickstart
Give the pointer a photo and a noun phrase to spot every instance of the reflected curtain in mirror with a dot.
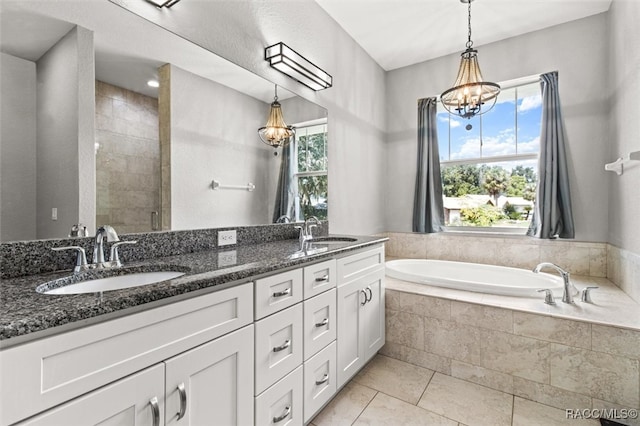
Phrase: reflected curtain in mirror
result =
(428, 212)
(553, 215)
(285, 191)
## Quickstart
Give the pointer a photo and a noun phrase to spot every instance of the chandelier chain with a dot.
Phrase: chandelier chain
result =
(469, 42)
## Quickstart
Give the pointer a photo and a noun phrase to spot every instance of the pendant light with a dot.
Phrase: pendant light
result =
(470, 95)
(276, 133)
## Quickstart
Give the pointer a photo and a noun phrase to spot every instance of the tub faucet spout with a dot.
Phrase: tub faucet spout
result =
(567, 295)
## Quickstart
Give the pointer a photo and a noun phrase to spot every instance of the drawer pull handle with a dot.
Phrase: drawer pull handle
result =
(282, 293)
(287, 411)
(155, 410)
(183, 401)
(365, 298)
(322, 323)
(282, 347)
(324, 379)
(323, 279)
(370, 294)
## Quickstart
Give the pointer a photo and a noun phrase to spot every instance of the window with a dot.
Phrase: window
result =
(311, 169)
(489, 163)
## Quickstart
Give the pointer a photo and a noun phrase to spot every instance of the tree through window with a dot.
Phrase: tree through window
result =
(311, 169)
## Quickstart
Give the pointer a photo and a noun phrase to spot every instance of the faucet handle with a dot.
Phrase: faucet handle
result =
(548, 296)
(586, 294)
(114, 258)
(81, 259)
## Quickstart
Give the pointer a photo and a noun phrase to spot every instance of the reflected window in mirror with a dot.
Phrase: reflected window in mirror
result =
(310, 171)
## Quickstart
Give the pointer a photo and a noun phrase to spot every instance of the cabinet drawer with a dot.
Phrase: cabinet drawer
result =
(281, 404)
(319, 322)
(278, 348)
(356, 265)
(55, 369)
(277, 292)
(319, 380)
(319, 278)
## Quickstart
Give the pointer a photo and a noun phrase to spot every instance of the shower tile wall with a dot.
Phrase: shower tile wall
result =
(127, 159)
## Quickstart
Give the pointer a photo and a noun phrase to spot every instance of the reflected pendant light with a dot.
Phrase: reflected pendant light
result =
(470, 95)
(276, 133)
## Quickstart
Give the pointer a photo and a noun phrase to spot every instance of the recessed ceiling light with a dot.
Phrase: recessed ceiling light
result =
(153, 83)
(163, 3)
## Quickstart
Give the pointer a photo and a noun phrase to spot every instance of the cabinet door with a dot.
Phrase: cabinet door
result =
(373, 314)
(351, 296)
(319, 322)
(212, 382)
(125, 402)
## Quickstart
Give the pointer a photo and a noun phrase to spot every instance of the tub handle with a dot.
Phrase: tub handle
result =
(586, 294)
(548, 296)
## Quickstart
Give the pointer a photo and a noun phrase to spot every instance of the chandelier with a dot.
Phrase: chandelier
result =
(470, 95)
(276, 133)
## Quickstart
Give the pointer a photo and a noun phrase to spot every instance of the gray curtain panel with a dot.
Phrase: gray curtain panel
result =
(428, 213)
(553, 215)
(286, 190)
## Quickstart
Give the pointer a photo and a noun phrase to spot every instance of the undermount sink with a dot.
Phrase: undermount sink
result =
(334, 240)
(116, 282)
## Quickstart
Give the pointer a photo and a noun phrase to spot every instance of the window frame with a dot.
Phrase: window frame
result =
(509, 84)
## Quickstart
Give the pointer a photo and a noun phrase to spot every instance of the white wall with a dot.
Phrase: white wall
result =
(624, 136)
(17, 148)
(578, 51)
(65, 135)
(213, 135)
(239, 31)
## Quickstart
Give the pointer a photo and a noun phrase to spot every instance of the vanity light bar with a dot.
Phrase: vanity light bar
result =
(163, 3)
(289, 62)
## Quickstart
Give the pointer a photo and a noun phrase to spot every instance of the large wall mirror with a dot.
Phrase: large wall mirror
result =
(86, 140)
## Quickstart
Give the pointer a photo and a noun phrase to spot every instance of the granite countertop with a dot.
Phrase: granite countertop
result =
(26, 314)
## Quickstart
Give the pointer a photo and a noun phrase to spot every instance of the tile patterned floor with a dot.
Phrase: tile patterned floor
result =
(395, 393)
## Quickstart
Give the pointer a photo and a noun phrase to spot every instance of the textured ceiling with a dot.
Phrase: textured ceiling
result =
(397, 33)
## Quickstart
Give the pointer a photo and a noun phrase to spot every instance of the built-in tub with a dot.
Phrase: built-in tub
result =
(474, 277)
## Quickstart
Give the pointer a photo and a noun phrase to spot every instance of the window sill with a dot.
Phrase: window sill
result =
(486, 231)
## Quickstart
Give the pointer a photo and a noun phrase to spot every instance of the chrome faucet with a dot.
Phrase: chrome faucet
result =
(283, 219)
(567, 295)
(98, 248)
(306, 230)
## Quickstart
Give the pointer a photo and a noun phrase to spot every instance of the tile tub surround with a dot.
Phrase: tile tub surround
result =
(623, 268)
(580, 356)
(21, 258)
(26, 314)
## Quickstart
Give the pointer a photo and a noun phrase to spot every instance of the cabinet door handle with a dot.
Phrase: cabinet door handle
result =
(322, 323)
(281, 417)
(370, 294)
(155, 410)
(322, 279)
(282, 347)
(282, 293)
(183, 401)
(324, 379)
(365, 298)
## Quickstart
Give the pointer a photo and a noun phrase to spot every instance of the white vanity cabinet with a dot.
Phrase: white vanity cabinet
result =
(360, 310)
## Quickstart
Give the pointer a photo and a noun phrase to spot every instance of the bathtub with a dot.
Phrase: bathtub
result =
(474, 277)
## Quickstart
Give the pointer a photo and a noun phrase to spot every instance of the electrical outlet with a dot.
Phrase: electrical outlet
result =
(226, 238)
(227, 258)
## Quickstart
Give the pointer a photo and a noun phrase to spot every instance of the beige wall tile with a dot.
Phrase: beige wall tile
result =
(570, 257)
(482, 316)
(467, 402)
(416, 304)
(616, 341)
(572, 333)
(607, 377)
(549, 395)
(449, 339)
(405, 328)
(516, 355)
(599, 404)
(395, 378)
(526, 413)
(346, 406)
(598, 262)
(385, 410)
(417, 357)
(482, 376)
(515, 255)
